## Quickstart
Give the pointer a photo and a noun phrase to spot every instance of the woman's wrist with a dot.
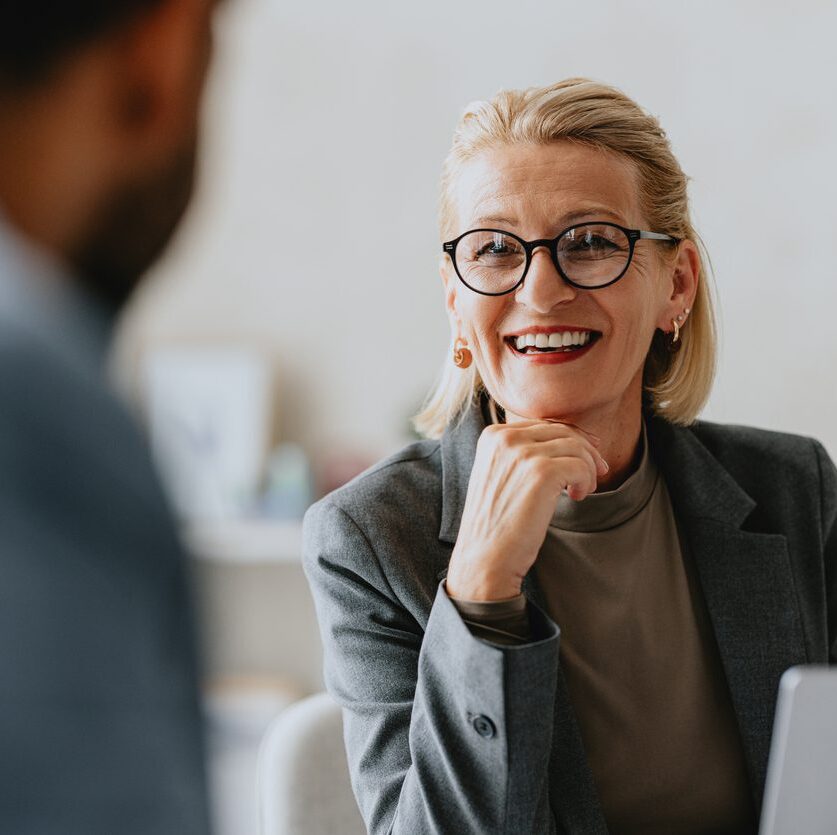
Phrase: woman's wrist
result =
(481, 585)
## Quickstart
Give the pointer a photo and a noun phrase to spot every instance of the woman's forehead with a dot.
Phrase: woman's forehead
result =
(554, 185)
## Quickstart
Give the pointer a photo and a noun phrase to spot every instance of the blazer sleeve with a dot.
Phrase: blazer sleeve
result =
(444, 733)
(828, 498)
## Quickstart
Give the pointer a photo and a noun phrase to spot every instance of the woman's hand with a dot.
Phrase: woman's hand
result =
(519, 471)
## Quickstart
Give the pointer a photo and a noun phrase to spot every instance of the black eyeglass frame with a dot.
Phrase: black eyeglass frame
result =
(529, 247)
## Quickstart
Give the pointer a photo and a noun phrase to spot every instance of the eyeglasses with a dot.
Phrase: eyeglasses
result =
(588, 256)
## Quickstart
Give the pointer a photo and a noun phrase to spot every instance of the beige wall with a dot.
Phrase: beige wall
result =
(314, 234)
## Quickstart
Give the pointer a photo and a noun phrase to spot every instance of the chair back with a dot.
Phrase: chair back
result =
(303, 778)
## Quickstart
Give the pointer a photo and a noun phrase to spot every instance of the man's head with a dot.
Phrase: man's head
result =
(99, 106)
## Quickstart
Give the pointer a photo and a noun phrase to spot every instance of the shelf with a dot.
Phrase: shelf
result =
(246, 541)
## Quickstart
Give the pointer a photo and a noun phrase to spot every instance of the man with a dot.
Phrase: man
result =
(99, 719)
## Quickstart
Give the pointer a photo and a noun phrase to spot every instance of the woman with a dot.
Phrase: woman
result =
(569, 610)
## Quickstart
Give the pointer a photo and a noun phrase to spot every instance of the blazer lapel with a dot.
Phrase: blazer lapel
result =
(746, 580)
(458, 448)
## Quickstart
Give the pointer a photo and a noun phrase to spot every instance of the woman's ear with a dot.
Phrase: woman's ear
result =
(683, 284)
(451, 287)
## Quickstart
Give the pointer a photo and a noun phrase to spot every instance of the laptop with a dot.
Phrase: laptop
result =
(800, 794)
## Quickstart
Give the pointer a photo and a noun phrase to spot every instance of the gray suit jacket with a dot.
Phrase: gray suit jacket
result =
(100, 731)
(449, 734)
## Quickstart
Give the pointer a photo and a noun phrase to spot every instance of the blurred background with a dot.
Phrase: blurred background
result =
(298, 321)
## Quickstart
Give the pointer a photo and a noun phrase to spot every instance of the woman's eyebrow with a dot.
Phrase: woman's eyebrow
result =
(505, 220)
(563, 220)
(591, 211)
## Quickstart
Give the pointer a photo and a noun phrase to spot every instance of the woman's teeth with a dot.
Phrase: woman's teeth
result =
(551, 341)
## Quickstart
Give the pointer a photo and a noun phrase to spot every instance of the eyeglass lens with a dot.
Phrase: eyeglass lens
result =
(590, 255)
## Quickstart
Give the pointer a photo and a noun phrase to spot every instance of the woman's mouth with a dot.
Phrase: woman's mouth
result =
(550, 342)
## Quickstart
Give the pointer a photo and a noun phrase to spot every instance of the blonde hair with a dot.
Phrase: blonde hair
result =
(675, 386)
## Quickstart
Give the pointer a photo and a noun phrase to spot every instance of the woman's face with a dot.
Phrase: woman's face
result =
(536, 191)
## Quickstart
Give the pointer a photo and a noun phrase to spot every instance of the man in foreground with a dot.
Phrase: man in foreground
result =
(100, 728)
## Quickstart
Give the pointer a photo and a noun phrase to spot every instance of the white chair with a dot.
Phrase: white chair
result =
(303, 779)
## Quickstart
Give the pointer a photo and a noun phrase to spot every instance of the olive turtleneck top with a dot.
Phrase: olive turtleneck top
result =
(640, 660)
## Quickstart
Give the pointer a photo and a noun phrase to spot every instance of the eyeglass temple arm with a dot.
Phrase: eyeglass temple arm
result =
(656, 236)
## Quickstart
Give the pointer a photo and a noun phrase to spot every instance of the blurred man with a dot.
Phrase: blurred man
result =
(99, 720)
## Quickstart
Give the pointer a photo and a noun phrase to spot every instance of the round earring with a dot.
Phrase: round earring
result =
(462, 356)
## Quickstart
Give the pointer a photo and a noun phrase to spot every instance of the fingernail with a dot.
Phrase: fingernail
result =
(607, 466)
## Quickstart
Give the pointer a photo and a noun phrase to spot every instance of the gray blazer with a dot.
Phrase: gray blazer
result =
(100, 729)
(446, 733)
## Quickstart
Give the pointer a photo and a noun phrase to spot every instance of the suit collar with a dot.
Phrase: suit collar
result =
(699, 485)
(747, 584)
(458, 447)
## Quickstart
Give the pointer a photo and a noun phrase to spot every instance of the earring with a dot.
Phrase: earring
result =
(676, 325)
(673, 343)
(462, 356)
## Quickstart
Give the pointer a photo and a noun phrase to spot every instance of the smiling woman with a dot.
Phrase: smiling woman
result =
(568, 497)
(606, 142)
(597, 278)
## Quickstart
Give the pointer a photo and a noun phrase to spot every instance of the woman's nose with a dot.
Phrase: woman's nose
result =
(544, 288)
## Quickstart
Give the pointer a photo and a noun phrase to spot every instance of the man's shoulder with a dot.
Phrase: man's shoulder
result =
(49, 401)
(33, 368)
(62, 427)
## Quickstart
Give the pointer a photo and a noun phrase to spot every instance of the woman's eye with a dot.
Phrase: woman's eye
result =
(492, 249)
(496, 249)
(595, 242)
(591, 245)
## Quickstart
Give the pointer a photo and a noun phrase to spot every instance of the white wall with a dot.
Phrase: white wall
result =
(314, 234)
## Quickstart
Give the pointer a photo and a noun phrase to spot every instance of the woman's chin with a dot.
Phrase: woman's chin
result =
(543, 410)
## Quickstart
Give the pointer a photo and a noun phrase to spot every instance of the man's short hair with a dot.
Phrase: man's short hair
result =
(36, 35)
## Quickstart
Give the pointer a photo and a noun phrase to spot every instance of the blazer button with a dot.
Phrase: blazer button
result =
(483, 726)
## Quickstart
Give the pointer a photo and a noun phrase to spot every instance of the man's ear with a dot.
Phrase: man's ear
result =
(160, 62)
(684, 279)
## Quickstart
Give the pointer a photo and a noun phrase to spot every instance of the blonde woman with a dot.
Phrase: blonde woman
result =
(568, 610)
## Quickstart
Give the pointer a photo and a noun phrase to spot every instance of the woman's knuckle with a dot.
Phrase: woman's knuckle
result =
(539, 467)
(528, 453)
